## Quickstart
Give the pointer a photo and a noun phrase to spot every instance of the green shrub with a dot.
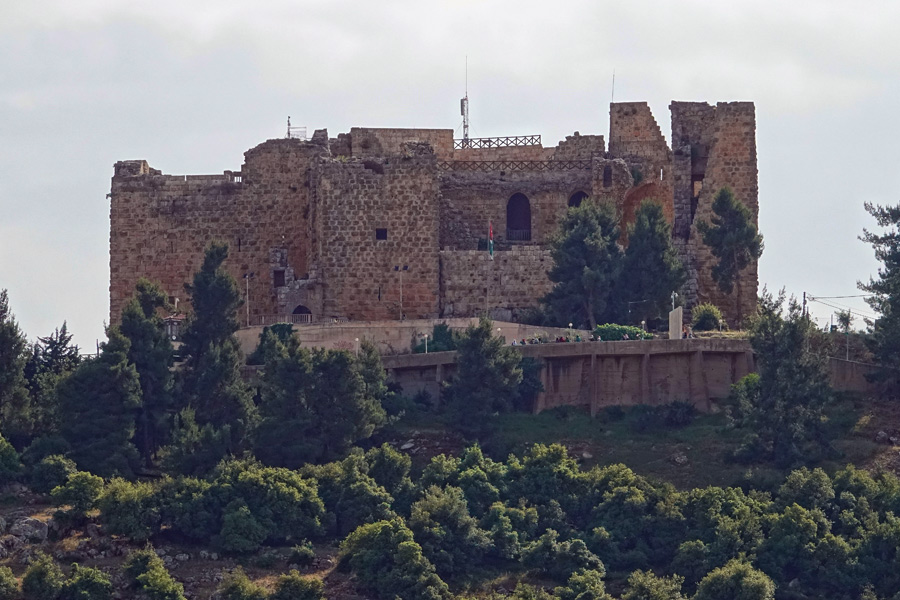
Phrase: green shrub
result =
(241, 531)
(584, 585)
(52, 471)
(139, 562)
(293, 586)
(736, 580)
(387, 561)
(129, 509)
(9, 587)
(614, 333)
(43, 579)
(158, 584)
(706, 317)
(87, 583)
(42, 447)
(558, 560)
(645, 585)
(10, 465)
(80, 492)
(302, 554)
(237, 586)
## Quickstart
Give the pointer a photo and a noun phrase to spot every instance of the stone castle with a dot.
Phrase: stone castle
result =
(379, 223)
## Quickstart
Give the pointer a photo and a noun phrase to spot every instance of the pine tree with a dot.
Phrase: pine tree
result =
(50, 360)
(487, 378)
(98, 403)
(734, 240)
(14, 405)
(652, 269)
(316, 403)
(884, 337)
(586, 264)
(151, 353)
(211, 384)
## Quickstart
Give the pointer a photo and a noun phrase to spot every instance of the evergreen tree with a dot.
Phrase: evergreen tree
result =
(14, 405)
(783, 404)
(151, 353)
(737, 580)
(487, 378)
(98, 403)
(50, 360)
(652, 269)
(735, 242)
(316, 403)
(884, 338)
(586, 264)
(211, 384)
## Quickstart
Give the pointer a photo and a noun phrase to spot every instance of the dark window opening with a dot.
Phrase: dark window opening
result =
(172, 300)
(302, 310)
(381, 234)
(577, 198)
(279, 278)
(607, 176)
(518, 219)
(239, 244)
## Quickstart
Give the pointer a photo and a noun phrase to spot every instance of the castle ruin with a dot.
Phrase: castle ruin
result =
(379, 223)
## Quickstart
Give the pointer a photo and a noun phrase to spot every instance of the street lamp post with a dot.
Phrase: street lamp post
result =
(357, 347)
(247, 278)
(426, 343)
(400, 270)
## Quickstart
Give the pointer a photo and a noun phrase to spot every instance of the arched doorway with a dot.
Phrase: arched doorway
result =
(302, 315)
(577, 198)
(518, 219)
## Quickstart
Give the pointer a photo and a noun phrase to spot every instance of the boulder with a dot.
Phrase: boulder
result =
(30, 529)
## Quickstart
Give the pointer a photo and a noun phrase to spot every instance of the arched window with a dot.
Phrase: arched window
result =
(518, 219)
(576, 199)
(301, 315)
(607, 176)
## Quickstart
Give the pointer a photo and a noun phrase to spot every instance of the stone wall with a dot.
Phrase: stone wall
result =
(731, 163)
(160, 224)
(479, 197)
(354, 200)
(370, 141)
(471, 282)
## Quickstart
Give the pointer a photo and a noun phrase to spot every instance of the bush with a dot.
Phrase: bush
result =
(44, 446)
(80, 492)
(585, 585)
(10, 465)
(615, 333)
(52, 471)
(736, 580)
(558, 560)
(302, 554)
(129, 509)
(43, 580)
(237, 586)
(146, 572)
(294, 586)
(387, 561)
(706, 317)
(241, 531)
(87, 583)
(9, 587)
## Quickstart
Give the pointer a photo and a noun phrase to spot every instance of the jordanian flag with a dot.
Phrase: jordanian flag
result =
(491, 239)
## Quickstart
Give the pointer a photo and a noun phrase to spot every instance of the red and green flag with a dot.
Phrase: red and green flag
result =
(491, 239)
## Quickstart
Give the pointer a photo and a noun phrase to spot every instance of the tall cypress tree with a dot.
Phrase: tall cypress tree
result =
(50, 360)
(586, 264)
(98, 404)
(211, 383)
(735, 242)
(652, 270)
(151, 353)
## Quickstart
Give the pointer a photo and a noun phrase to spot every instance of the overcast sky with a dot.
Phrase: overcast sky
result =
(190, 85)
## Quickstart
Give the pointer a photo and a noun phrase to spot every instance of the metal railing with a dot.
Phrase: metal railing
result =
(266, 320)
(486, 166)
(512, 141)
(518, 235)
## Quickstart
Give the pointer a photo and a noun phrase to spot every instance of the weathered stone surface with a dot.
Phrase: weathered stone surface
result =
(29, 529)
(322, 224)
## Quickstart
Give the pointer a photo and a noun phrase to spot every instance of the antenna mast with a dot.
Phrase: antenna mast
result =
(464, 108)
(613, 97)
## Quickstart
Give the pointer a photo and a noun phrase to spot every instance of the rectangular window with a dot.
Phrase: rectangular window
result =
(381, 234)
(279, 278)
